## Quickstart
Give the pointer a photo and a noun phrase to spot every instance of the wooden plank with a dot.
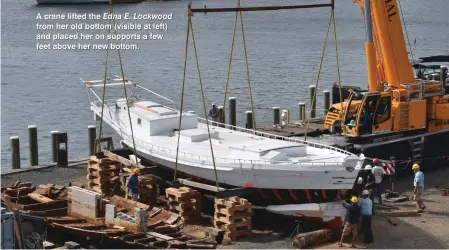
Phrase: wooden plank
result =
(45, 206)
(40, 198)
(161, 236)
(200, 185)
(122, 160)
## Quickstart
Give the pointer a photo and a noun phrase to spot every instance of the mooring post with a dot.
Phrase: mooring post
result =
(232, 111)
(276, 115)
(92, 133)
(327, 101)
(288, 116)
(15, 152)
(312, 101)
(302, 111)
(32, 142)
(249, 120)
(221, 113)
(54, 151)
(443, 75)
(392, 159)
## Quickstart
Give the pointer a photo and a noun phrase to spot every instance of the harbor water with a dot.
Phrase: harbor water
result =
(42, 87)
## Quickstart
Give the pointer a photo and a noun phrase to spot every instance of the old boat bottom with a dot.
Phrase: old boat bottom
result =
(243, 157)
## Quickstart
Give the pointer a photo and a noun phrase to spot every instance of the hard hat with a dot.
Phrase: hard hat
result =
(368, 167)
(360, 180)
(136, 170)
(354, 200)
(415, 166)
(375, 161)
(213, 104)
(365, 192)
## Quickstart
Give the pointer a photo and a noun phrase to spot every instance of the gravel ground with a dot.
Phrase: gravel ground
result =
(426, 231)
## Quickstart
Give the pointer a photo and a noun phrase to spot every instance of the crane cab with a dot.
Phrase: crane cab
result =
(368, 113)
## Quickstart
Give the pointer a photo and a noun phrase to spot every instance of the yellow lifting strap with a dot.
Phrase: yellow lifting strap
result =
(124, 87)
(190, 27)
(331, 19)
(246, 62)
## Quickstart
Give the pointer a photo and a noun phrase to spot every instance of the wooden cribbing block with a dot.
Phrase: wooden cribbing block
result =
(40, 198)
(232, 219)
(234, 236)
(245, 224)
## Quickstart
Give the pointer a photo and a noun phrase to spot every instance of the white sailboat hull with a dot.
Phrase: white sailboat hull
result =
(242, 158)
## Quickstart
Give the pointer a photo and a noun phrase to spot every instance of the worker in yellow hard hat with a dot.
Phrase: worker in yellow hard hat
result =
(352, 220)
(133, 184)
(418, 183)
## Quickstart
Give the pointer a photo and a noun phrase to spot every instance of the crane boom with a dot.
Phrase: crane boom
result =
(391, 41)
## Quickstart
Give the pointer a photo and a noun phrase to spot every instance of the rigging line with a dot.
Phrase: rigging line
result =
(247, 69)
(204, 106)
(405, 27)
(98, 148)
(126, 97)
(318, 76)
(339, 79)
(230, 60)
(182, 91)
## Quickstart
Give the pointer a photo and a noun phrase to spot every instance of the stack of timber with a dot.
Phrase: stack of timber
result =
(185, 202)
(103, 174)
(148, 189)
(43, 200)
(233, 215)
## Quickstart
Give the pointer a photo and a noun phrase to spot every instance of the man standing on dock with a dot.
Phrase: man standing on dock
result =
(352, 220)
(366, 206)
(418, 182)
(133, 184)
(213, 113)
(378, 173)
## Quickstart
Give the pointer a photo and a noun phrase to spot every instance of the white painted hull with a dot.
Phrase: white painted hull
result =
(327, 211)
(243, 158)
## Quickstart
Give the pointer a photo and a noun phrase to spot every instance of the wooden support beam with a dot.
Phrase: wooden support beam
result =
(265, 8)
(40, 198)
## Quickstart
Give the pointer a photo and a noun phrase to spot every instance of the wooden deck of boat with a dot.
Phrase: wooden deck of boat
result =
(296, 128)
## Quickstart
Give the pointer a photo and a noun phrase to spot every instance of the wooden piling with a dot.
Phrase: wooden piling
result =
(221, 113)
(327, 101)
(15, 152)
(53, 145)
(232, 111)
(302, 111)
(92, 133)
(249, 120)
(276, 115)
(443, 75)
(32, 142)
(312, 101)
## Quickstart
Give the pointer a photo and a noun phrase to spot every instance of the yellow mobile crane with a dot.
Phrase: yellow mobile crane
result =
(396, 102)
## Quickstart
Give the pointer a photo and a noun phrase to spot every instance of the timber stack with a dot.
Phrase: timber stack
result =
(234, 216)
(148, 189)
(103, 174)
(185, 202)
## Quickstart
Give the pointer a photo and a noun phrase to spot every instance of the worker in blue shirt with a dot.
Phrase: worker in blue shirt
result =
(352, 220)
(418, 183)
(366, 206)
(133, 184)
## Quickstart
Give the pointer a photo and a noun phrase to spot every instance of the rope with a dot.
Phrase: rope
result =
(230, 59)
(98, 149)
(182, 93)
(247, 68)
(318, 76)
(204, 106)
(405, 27)
(339, 80)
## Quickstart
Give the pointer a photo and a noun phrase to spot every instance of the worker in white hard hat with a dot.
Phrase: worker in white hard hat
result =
(213, 113)
(370, 183)
(366, 207)
(418, 183)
